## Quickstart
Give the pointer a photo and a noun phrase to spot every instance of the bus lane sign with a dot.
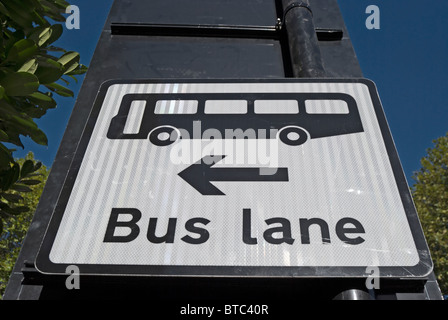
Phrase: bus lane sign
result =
(253, 178)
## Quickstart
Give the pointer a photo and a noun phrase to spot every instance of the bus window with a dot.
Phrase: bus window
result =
(326, 106)
(176, 107)
(225, 107)
(135, 116)
(276, 106)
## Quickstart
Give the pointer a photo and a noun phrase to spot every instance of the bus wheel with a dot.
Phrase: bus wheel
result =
(293, 136)
(163, 136)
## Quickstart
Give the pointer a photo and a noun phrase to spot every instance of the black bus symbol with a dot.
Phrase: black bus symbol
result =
(294, 117)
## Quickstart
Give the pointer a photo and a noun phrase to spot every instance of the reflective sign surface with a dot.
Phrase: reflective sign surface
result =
(257, 178)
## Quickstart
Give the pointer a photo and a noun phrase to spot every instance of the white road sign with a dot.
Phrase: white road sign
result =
(236, 178)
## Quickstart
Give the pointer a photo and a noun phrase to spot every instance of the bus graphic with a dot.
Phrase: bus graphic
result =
(294, 117)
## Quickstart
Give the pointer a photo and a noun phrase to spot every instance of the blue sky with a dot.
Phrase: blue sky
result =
(407, 58)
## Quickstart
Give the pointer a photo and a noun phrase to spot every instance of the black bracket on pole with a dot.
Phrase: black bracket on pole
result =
(218, 31)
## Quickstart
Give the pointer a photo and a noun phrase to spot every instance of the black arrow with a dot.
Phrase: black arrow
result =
(199, 175)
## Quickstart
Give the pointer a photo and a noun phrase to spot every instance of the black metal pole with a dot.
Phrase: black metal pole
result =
(303, 44)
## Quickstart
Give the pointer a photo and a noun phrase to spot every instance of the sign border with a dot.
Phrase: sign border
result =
(45, 266)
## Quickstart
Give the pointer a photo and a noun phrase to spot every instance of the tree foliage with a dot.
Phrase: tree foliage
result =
(430, 193)
(15, 229)
(32, 71)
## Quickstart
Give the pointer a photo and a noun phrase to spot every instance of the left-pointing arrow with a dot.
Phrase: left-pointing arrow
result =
(199, 175)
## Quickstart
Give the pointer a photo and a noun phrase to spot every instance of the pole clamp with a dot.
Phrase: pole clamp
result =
(296, 4)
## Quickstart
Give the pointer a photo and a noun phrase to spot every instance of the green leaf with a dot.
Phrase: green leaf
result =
(78, 71)
(49, 71)
(27, 168)
(69, 61)
(21, 14)
(65, 81)
(72, 77)
(5, 159)
(43, 100)
(3, 10)
(9, 176)
(39, 137)
(14, 137)
(34, 175)
(22, 51)
(53, 10)
(25, 125)
(41, 35)
(30, 182)
(11, 38)
(44, 36)
(3, 136)
(21, 188)
(12, 197)
(37, 166)
(2, 92)
(55, 49)
(16, 210)
(7, 110)
(19, 83)
(60, 90)
(30, 66)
